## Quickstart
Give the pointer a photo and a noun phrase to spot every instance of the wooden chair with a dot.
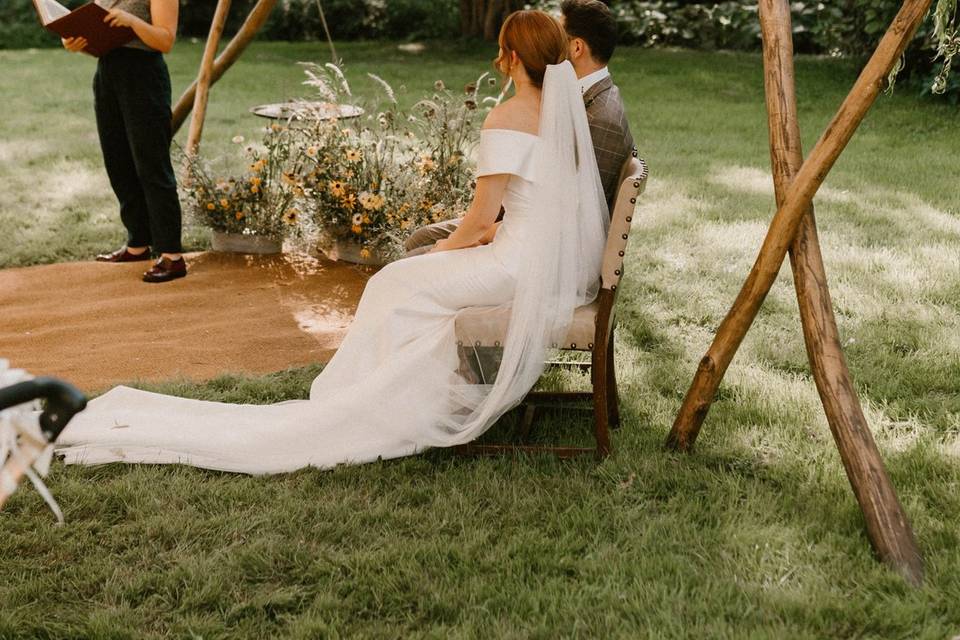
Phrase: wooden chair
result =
(591, 330)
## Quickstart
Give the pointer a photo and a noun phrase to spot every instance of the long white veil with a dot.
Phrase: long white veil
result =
(562, 268)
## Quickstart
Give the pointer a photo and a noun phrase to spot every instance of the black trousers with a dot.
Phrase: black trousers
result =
(131, 92)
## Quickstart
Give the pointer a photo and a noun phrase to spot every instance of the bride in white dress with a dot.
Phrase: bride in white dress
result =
(393, 387)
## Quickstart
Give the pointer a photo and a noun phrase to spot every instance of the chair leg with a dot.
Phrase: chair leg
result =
(601, 413)
(613, 397)
(526, 423)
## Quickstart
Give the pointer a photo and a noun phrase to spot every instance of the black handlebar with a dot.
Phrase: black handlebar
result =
(63, 402)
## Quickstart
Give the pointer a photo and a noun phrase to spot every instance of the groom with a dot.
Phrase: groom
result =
(592, 33)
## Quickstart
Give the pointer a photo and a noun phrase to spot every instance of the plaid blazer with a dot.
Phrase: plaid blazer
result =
(612, 141)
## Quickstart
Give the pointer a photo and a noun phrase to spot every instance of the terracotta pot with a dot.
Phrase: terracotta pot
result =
(240, 243)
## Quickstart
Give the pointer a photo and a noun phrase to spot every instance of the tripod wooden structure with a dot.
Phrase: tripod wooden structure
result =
(792, 229)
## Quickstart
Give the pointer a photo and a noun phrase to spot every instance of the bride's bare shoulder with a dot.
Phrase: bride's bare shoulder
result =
(512, 115)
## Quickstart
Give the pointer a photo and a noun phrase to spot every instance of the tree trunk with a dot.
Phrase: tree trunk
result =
(483, 18)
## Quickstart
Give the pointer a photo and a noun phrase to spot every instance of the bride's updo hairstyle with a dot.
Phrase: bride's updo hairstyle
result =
(538, 40)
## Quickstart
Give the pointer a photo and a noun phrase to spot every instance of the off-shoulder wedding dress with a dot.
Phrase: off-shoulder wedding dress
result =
(393, 387)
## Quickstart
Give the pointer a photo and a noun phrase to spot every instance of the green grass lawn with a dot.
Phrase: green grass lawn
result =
(756, 534)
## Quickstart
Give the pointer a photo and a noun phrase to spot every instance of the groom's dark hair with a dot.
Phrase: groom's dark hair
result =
(592, 22)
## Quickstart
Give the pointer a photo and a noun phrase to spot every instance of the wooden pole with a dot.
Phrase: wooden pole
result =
(206, 73)
(334, 58)
(258, 16)
(787, 220)
(887, 525)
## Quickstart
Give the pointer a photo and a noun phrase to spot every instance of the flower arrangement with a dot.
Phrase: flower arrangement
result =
(367, 183)
(262, 201)
(374, 182)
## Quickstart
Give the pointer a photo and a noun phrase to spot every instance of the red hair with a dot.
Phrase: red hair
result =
(537, 39)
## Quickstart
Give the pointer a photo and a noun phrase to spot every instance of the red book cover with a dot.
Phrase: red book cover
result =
(86, 22)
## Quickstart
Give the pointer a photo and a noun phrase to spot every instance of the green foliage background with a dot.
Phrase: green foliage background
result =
(848, 28)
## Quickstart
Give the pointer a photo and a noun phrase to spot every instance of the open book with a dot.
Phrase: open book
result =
(86, 22)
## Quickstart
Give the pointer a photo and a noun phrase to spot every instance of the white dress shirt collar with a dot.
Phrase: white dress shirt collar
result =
(589, 80)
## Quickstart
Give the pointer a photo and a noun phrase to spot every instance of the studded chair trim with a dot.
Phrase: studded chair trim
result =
(633, 181)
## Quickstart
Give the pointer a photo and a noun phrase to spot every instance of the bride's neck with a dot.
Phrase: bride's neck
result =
(526, 89)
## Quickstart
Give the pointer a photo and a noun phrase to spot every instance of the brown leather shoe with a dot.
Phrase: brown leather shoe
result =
(165, 270)
(123, 255)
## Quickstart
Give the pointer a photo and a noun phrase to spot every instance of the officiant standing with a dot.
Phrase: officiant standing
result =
(132, 96)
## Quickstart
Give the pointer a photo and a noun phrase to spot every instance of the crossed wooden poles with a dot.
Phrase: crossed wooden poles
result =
(212, 67)
(794, 228)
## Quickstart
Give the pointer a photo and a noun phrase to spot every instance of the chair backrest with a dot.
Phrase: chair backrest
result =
(633, 181)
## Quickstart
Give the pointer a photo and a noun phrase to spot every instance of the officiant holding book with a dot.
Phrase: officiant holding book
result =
(132, 102)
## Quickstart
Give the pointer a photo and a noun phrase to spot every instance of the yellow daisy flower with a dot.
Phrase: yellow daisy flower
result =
(354, 155)
(224, 203)
(291, 216)
(337, 188)
(211, 206)
(364, 253)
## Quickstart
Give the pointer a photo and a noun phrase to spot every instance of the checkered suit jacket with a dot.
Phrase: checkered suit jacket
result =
(612, 141)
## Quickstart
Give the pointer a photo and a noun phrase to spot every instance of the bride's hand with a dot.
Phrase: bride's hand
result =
(441, 245)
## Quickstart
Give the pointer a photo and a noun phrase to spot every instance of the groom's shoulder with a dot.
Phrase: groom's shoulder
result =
(604, 96)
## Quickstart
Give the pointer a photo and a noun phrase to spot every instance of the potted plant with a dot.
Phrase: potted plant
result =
(256, 211)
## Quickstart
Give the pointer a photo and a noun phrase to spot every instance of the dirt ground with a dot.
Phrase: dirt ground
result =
(96, 325)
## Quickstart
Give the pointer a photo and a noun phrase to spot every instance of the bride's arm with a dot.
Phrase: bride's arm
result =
(480, 220)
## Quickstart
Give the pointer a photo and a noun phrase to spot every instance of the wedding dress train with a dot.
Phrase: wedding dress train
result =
(393, 387)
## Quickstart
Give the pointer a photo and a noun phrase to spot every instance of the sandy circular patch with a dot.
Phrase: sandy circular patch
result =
(97, 325)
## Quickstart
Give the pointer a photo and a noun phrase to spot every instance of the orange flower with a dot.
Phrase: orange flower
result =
(357, 229)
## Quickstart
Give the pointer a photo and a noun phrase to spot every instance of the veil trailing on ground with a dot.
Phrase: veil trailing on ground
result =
(562, 269)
